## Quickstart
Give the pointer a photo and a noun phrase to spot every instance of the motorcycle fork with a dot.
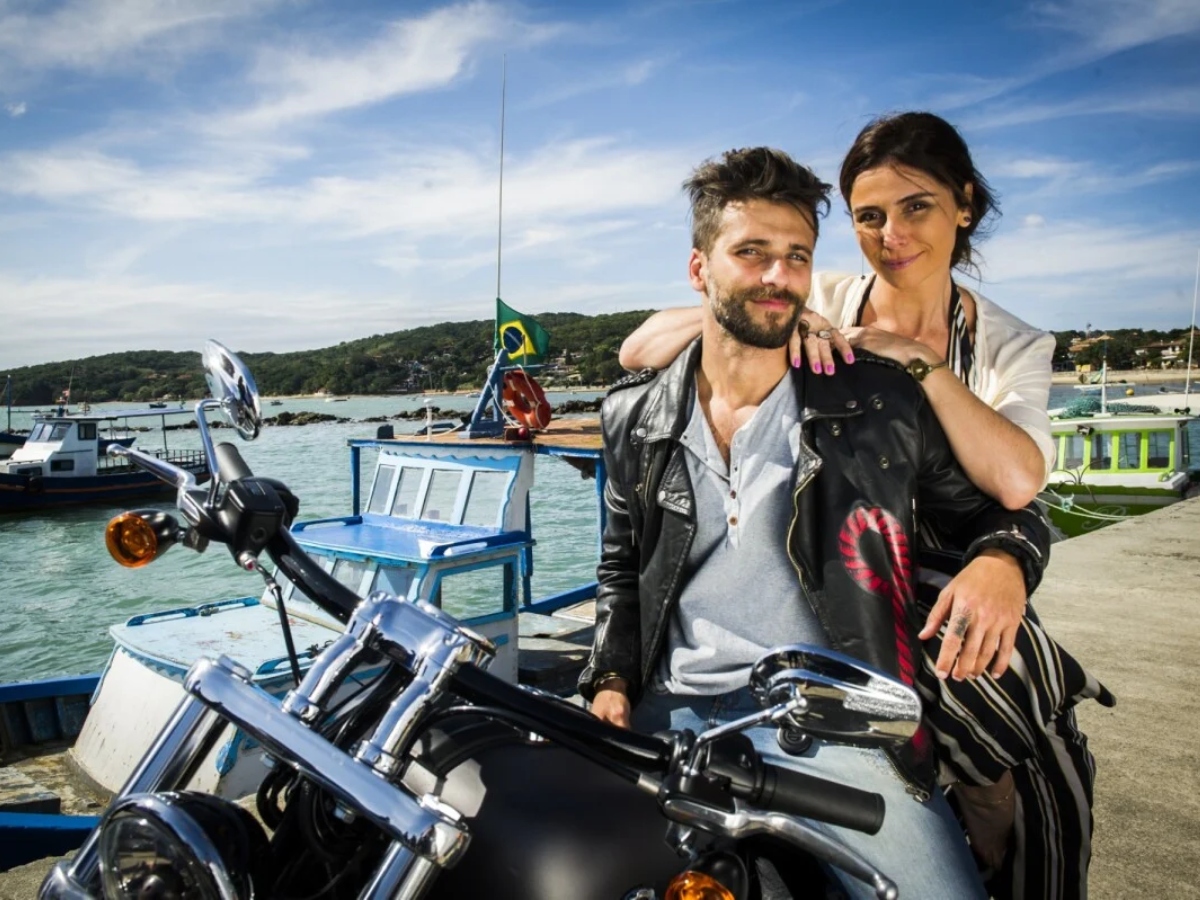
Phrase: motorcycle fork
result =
(168, 765)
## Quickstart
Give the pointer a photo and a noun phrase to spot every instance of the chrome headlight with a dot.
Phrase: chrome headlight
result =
(180, 846)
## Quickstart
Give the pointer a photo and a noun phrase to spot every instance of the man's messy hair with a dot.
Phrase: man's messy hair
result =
(756, 173)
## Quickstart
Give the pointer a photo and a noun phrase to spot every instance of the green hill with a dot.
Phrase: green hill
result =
(436, 357)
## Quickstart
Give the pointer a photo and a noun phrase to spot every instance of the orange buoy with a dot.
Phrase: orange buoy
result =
(525, 400)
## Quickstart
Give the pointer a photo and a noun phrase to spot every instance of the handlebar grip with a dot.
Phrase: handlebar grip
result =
(230, 464)
(804, 795)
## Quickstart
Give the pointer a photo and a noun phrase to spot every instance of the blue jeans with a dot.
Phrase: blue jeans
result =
(921, 845)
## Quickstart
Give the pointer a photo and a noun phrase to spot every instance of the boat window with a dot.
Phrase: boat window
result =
(1072, 454)
(385, 477)
(62, 465)
(476, 592)
(38, 433)
(484, 501)
(1102, 450)
(442, 495)
(350, 573)
(30, 470)
(59, 431)
(87, 431)
(393, 579)
(1158, 450)
(1129, 450)
(406, 494)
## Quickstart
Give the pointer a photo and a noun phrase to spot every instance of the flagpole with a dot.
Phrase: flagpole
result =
(1187, 388)
(500, 208)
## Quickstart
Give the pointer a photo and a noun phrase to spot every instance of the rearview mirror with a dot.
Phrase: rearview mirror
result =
(843, 699)
(232, 385)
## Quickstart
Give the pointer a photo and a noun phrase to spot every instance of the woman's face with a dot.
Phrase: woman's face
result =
(906, 222)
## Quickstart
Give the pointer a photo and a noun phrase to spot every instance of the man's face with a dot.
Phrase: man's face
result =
(758, 273)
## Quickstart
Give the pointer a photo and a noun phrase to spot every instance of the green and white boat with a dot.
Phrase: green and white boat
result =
(1114, 462)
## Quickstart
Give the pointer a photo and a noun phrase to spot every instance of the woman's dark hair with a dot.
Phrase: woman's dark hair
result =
(929, 144)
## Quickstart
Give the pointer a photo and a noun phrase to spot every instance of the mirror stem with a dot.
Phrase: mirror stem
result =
(770, 714)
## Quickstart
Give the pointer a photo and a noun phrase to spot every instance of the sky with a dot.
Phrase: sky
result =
(289, 174)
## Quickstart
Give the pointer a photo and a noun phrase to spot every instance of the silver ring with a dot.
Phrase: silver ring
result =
(825, 334)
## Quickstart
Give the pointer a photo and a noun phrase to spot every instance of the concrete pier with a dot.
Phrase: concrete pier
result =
(1125, 601)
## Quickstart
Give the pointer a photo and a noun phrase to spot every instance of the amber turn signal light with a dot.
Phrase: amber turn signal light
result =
(136, 539)
(697, 886)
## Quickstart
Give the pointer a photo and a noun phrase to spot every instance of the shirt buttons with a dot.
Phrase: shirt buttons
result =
(733, 495)
(733, 520)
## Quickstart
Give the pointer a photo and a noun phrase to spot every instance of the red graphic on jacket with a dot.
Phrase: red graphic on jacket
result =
(889, 577)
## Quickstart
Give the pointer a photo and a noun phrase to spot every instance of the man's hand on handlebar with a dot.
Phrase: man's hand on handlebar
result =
(611, 703)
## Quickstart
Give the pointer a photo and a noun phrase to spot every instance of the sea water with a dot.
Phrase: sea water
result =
(60, 591)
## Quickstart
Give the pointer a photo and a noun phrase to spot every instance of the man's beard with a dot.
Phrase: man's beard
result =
(732, 312)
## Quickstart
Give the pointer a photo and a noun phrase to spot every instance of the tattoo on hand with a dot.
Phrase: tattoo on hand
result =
(959, 629)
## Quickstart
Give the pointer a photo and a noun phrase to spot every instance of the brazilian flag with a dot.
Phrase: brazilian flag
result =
(536, 345)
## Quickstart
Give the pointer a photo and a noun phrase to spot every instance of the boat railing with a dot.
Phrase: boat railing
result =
(188, 459)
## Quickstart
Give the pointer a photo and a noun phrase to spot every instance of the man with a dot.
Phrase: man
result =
(751, 506)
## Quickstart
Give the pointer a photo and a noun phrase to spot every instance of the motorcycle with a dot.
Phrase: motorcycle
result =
(437, 779)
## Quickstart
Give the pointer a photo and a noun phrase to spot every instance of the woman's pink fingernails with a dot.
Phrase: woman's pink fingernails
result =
(849, 357)
(828, 368)
(816, 367)
(795, 362)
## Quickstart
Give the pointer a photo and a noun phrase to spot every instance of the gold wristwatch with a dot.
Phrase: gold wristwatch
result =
(918, 368)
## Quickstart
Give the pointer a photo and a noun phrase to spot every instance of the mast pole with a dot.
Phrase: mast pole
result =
(500, 207)
(1187, 387)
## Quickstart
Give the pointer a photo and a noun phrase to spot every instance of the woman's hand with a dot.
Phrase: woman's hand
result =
(817, 339)
(888, 345)
(984, 605)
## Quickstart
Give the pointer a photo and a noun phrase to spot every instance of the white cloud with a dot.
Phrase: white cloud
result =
(1098, 29)
(101, 35)
(1054, 176)
(1167, 102)
(15, 110)
(1056, 273)
(422, 192)
(621, 76)
(1110, 26)
(411, 55)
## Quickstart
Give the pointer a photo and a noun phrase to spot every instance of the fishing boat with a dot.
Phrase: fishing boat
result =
(64, 462)
(1114, 461)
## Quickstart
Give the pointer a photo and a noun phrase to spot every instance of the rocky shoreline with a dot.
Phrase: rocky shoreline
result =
(416, 416)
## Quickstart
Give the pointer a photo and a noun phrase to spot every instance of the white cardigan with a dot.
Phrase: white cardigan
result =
(1011, 369)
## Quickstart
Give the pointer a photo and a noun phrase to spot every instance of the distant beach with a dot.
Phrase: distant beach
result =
(1126, 376)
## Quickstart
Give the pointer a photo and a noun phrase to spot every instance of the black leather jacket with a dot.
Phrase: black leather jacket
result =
(873, 460)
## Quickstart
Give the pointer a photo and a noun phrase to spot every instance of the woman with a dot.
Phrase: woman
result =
(916, 200)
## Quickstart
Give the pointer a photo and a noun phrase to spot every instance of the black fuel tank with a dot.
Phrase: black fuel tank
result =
(547, 824)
